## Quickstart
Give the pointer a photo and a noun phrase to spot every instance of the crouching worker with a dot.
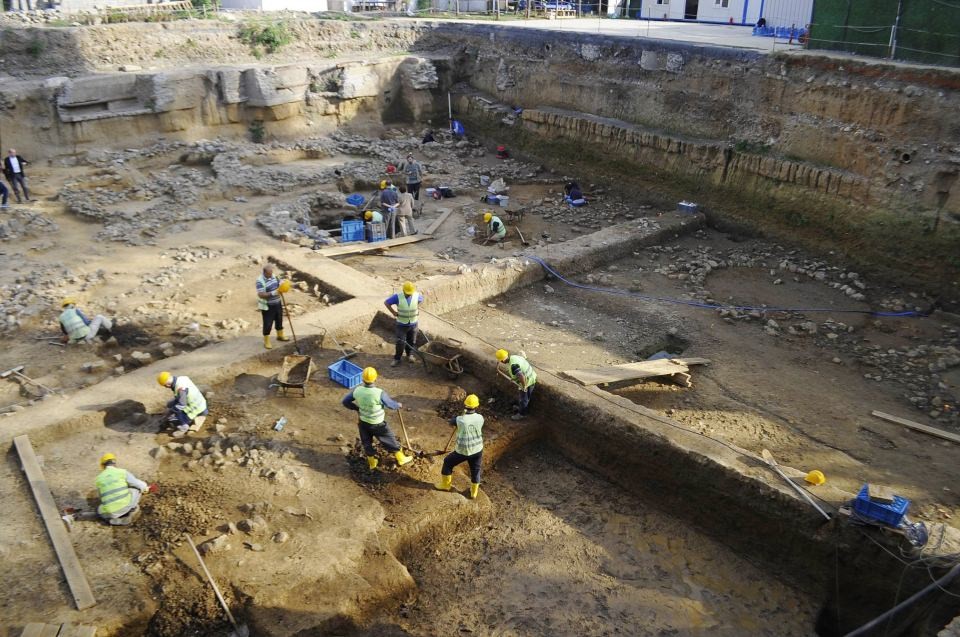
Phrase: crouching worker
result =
(522, 374)
(496, 231)
(77, 328)
(370, 401)
(188, 409)
(120, 492)
(469, 447)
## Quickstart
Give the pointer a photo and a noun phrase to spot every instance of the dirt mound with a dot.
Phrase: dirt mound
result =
(491, 407)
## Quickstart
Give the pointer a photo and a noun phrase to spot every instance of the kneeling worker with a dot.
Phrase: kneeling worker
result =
(495, 228)
(188, 407)
(370, 402)
(524, 377)
(119, 491)
(469, 447)
(373, 216)
(78, 328)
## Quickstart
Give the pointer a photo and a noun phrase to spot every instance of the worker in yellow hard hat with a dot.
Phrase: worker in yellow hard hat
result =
(496, 231)
(370, 401)
(119, 491)
(373, 216)
(188, 408)
(270, 304)
(77, 328)
(405, 307)
(522, 374)
(469, 447)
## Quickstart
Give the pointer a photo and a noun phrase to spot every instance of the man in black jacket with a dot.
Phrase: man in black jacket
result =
(13, 166)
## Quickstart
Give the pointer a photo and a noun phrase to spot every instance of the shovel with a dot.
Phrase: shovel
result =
(446, 447)
(241, 630)
(406, 438)
(523, 241)
(16, 371)
(296, 344)
(769, 459)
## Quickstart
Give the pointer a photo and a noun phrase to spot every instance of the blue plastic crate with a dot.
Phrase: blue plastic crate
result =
(887, 513)
(345, 373)
(376, 231)
(351, 231)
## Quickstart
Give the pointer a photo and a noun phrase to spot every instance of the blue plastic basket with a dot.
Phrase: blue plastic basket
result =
(356, 200)
(351, 231)
(345, 373)
(887, 513)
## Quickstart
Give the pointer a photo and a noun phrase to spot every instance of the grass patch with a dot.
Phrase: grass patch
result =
(36, 47)
(257, 131)
(752, 148)
(268, 38)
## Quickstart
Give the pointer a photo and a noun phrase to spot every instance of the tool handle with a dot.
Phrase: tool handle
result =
(453, 433)
(296, 345)
(212, 583)
(404, 428)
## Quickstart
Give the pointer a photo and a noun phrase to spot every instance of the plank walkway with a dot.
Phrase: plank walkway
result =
(633, 371)
(58, 630)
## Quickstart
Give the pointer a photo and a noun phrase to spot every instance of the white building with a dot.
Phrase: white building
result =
(276, 5)
(779, 13)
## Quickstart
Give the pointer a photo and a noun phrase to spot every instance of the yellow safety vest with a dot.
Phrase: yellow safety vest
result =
(408, 312)
(371, 408)
(525, 368)
(114, 490)
(196, 403)
(71, 321)
(469, 434)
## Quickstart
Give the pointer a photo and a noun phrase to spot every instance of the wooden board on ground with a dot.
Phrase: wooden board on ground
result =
(58, 630)
(436, 224)
(370, 247)
(77, 581)
(633, 371)
(933, 431)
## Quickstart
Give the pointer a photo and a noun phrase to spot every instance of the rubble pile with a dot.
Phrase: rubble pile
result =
(19, 223)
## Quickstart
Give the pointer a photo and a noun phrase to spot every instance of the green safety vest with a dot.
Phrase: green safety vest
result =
(371, 408)
(376, 217)
(407, 311)
(76, 329)
(114, 491)
(268, 285)
(196, 403)
(525, 368)
(502, 232)
(469, 436)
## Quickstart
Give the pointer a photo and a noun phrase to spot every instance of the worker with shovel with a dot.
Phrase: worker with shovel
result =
(521, 373)
(496, 231)
(269, 289)
(370, 401)
(188, 409)
(120, 492)
(469, 447)
(405, 307)
(77, 328)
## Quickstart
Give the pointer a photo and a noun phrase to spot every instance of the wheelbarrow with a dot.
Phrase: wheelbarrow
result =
(295, 373)
(443, 354)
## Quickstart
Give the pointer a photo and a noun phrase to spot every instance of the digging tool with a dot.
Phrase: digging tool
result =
(523, 241)
(345, 355)
(296, 344)
(16, 371)
(241, 629)
(403, 428)
(769, 459)
(500, 371)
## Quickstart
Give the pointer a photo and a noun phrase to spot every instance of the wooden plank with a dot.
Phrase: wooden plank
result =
(370, 247)
(50, 630)
(76, 630)
(33, 630)
(82, 595)
(881, 494)
(633, 371)
(436, 224)
(933, 431)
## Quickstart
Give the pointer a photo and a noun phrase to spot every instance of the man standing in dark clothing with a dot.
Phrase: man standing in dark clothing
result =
(13, 169)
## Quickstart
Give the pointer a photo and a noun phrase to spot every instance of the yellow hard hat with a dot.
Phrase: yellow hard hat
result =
(68, 301)
(502, 355)
(487, 216)
(284, 286)
(368, 215)
(163, 378)
(816, 477)
(105, 458)
(472, 402)
(409, 287)
(383, 184)
(369, 375)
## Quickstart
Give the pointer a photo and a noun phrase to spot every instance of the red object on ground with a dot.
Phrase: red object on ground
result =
(391, 169)
(153, 488)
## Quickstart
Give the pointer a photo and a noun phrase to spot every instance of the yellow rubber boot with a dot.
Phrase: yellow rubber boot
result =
(445, 482)
(281, 336)
(372, 462)
(474, 490)
(266, 342)
(402, 459)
